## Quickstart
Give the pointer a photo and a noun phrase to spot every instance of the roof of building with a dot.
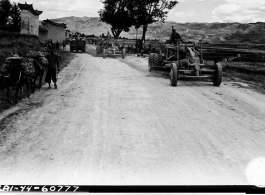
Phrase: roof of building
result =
(30, 8)
(43, 28)
(55, 24)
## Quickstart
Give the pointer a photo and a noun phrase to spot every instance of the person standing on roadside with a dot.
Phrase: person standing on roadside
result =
(53, 66)
(63, 45)
(57, 46)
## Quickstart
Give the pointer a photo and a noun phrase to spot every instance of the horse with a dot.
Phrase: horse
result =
(14, 78)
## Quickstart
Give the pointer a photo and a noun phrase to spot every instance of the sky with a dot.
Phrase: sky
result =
(243, 11)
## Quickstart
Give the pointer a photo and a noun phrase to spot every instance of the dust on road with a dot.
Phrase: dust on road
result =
(109, 123)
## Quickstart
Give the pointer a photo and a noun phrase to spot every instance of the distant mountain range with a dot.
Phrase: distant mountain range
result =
(210, 32)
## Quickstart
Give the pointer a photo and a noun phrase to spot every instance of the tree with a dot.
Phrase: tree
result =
(5, 9)
(117, 14)
(15, 17)
(146, 12)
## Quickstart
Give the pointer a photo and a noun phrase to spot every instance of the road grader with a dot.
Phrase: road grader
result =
(109, 46)
(184, 62)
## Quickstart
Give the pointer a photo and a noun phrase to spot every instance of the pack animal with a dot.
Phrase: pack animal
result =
(14, 78)
(39, 72)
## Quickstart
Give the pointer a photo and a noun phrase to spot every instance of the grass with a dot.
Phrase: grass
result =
(255, 81)
(252, 73)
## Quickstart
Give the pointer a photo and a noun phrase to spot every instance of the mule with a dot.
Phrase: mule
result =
(39, 72)
(15, 78)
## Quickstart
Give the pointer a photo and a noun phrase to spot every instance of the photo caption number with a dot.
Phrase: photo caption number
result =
(68, 187)
(5, 188)
(11, 189)
(29, 188)
(52, 188)
(44, 189)
(22, 188)
(60, 187)
(76, 187)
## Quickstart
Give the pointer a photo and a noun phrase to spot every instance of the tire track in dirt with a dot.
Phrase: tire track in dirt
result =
(233, 129)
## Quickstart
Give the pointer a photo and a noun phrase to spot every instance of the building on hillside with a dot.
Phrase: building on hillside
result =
(56, 31)
(29, 19)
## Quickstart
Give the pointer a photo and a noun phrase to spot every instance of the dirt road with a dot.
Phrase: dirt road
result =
(112, 122)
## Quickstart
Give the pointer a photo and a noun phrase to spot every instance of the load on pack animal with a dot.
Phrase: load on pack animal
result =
(14, 77)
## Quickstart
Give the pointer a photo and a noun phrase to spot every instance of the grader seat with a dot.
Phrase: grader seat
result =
(192, 57)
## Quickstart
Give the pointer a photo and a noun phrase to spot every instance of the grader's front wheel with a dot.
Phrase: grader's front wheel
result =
(217, 80)
(123, 53)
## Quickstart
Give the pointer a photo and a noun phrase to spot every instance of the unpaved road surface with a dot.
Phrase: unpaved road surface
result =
(112, 122)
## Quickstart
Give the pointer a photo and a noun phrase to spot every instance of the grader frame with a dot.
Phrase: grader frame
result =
(109, 47)
(184, 63)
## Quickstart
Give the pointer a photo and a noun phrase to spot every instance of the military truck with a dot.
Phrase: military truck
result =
(78, 44)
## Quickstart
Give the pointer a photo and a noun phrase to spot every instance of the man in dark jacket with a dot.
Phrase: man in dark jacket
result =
(175, 37)
(53, 66)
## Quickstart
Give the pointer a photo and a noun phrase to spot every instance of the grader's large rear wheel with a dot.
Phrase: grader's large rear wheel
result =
(157, 60)
(217, 80)
(150, 61)
(174, 75)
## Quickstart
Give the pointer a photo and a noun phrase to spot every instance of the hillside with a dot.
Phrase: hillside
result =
(211, 32)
